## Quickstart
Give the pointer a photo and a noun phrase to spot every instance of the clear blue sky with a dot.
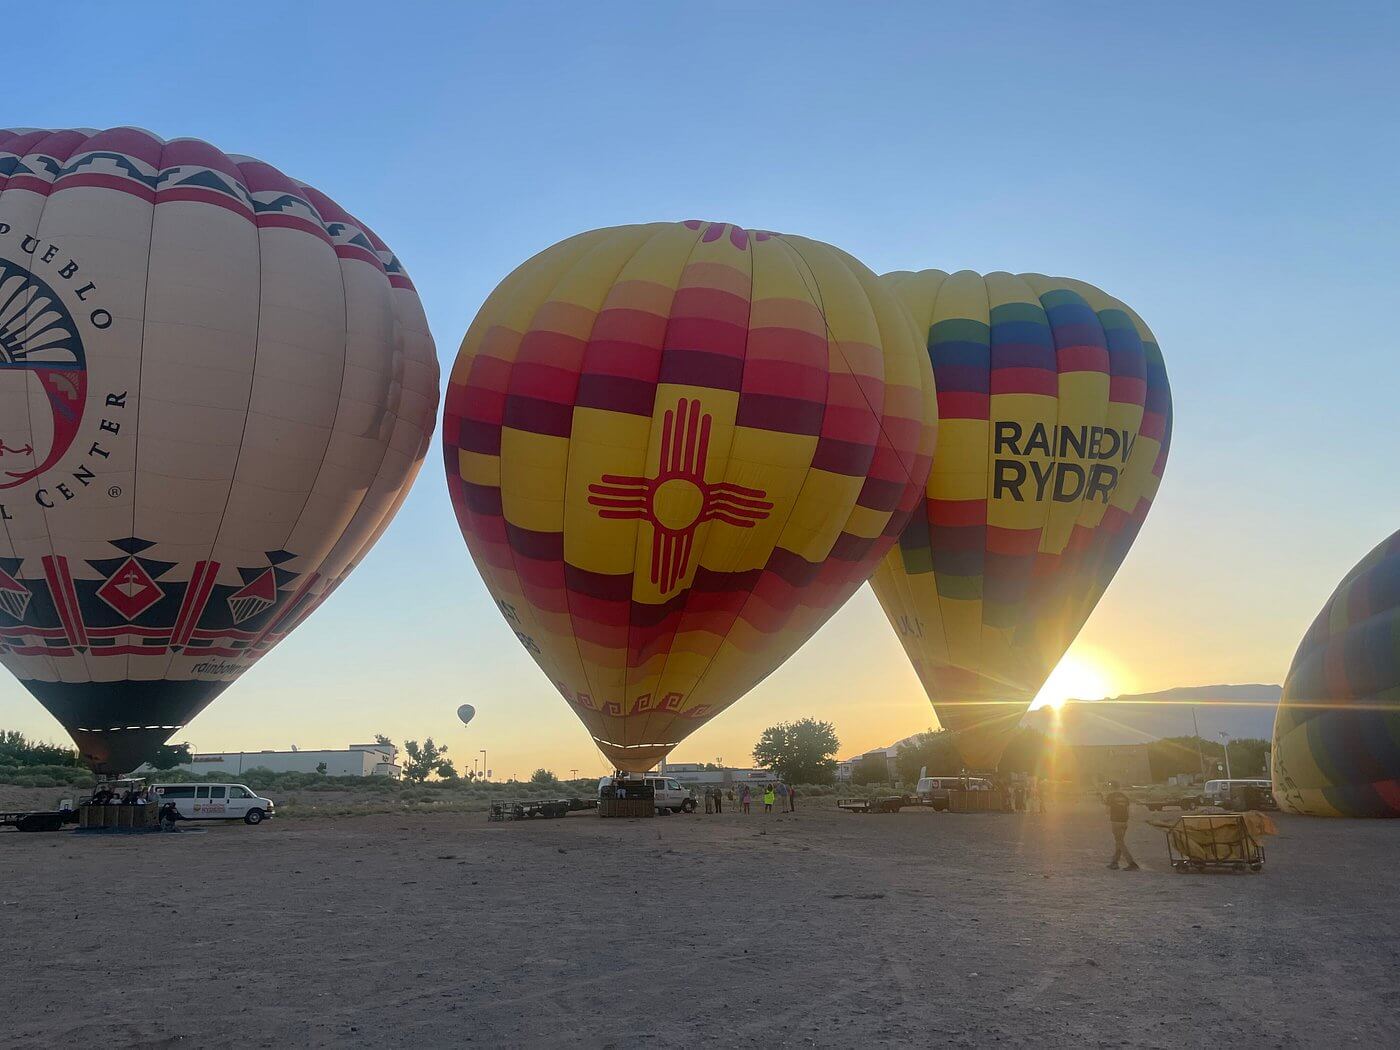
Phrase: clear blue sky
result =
(1229, 170)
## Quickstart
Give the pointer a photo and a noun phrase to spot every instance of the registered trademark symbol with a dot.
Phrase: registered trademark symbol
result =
(114, 491)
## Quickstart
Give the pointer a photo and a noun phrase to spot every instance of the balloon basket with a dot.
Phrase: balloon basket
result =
(975, 802)
(118, 818)
(626, 807)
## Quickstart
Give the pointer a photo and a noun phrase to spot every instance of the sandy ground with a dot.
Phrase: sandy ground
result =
(819, 929)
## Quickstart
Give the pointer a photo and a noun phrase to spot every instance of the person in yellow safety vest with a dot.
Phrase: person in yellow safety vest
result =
(769, 797)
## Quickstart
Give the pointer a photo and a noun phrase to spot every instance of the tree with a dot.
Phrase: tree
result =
(543, 778)
(18, 750)
(380, 738)
(168, 756)
(934, 749)
(447, 770)
(801, 752)
(424, 761)
(871, 769)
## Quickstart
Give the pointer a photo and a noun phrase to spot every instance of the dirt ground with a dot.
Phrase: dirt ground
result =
(819, 929)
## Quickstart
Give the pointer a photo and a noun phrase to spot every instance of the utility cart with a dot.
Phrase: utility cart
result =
(1198, 842)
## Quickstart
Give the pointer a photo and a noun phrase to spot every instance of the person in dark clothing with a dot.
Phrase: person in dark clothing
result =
(719, 800)
(792, 800)
(1118, 804)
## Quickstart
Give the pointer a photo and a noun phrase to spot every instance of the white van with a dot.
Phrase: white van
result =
(1220, 792)
(217, 802)
(669, 795)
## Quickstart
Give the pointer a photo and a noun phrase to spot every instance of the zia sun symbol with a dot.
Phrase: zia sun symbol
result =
(678, 500)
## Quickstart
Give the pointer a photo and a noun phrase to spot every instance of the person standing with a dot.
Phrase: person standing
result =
(744, 798)
(709, 800)
(792, 799)
(719, 799)
(1118, 803)
(769, 797)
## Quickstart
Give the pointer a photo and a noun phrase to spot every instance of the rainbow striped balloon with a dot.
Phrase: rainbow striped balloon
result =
(1337, 731)
(674, 450)
(1055, 417)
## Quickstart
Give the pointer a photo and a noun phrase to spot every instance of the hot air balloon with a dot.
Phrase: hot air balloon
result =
(1055, 417)
(216, 387)
(466, 713)
(674, 450)
(1337, 732)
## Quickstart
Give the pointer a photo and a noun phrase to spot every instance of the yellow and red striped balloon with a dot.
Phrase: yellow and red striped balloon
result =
(1055, 418)
(674, 450)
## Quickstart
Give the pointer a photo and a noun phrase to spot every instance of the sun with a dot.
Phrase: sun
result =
(1076, 677)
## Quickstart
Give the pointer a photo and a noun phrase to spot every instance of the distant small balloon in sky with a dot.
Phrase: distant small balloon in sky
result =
(466, 713)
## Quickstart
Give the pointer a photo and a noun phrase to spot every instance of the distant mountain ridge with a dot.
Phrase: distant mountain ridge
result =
(1240, 710)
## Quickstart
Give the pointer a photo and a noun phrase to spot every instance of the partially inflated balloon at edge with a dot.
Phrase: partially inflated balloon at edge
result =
(674, 450)
(1055, 417)
(1337, 732)
(466, 713)
(216, 387)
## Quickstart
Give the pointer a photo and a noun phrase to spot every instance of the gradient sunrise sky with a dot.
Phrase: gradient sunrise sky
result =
(1228, 170)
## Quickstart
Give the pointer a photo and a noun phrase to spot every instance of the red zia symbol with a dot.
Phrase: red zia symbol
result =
(678, 499)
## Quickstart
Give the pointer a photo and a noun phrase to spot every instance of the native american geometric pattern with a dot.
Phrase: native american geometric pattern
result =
(1055, 422)
(1337, 732)
(674, 450)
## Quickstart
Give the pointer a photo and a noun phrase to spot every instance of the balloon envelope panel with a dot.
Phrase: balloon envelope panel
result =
(466, 713)
(674, 450)
(1055, 420)
(215, 388)
(1337, 732)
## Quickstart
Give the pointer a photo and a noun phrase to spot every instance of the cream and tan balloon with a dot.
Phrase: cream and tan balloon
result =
(216, 386)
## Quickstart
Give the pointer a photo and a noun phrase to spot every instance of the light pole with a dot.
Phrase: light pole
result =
(483, 761)
(573, 774)
(1200, 755)
(1225, 737)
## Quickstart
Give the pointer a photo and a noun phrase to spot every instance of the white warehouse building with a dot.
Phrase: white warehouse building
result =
(359, 760)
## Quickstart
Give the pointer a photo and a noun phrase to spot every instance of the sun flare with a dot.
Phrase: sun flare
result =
(1076, 677)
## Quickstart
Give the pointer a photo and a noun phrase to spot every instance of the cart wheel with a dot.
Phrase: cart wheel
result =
(1256, 867)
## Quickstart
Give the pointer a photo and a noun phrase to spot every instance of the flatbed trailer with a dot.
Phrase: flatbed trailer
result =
(50, 820)
(528, 809)
(884, 804)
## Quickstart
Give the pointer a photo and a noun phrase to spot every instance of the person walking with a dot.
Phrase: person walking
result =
(744, 798)
(1118, 803)
(769, 797)
(792, 799)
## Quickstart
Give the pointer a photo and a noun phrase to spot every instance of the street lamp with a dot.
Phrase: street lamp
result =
(483, 761)
(1225, 737)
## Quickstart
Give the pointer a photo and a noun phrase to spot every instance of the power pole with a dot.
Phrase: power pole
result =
(1200, 755)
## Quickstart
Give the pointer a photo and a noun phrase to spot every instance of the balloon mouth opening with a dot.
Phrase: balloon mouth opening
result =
(633, 758)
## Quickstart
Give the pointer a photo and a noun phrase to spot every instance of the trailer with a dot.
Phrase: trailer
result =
(546, 808)
(51, 820)
(884, 804)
